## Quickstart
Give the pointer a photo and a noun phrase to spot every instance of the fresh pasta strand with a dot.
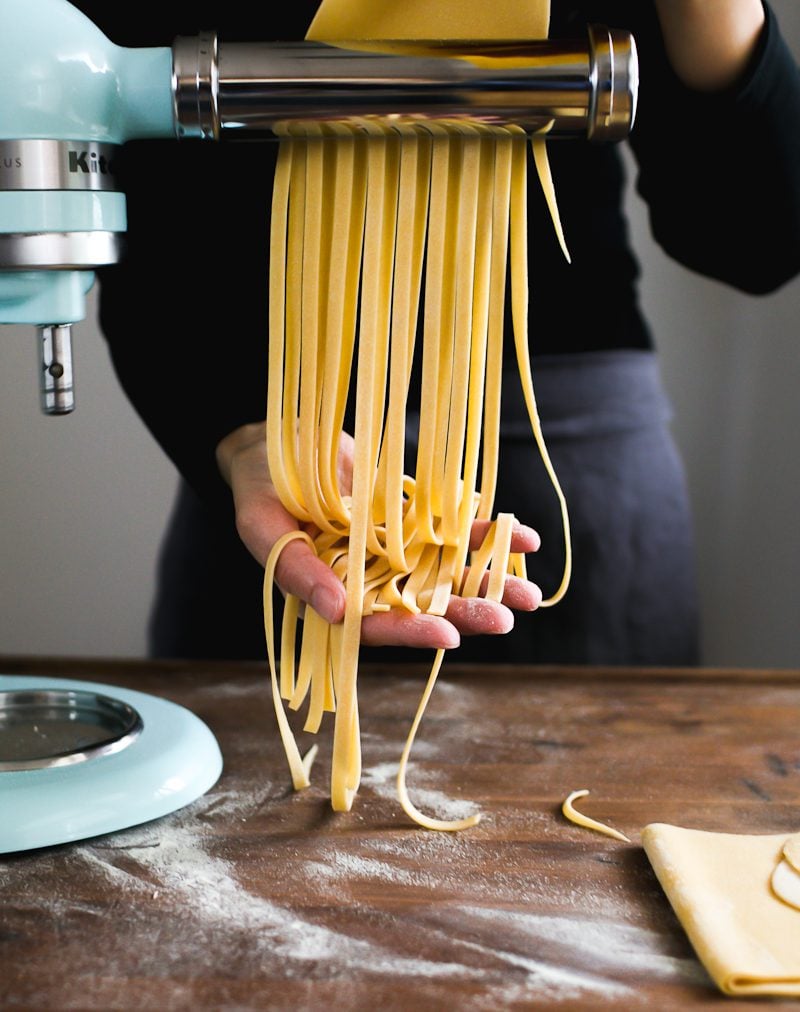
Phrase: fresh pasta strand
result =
(448, 825)
(571, 813)
(519, 312)
(298, 767)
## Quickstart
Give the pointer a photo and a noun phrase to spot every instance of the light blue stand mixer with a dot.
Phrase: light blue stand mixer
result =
(70, 97)
(77, 759)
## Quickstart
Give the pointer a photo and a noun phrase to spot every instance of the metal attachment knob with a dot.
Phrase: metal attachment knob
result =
(58, 395)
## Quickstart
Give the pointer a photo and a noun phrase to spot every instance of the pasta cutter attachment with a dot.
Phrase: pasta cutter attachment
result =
(575, 88)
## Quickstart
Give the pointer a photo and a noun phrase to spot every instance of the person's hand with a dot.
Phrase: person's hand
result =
(261, 520)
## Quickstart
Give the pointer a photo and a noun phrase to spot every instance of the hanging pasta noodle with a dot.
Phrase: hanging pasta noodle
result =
(367, 215)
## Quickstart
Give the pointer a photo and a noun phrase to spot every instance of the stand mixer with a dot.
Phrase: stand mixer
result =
(71, 98)
(79, 758)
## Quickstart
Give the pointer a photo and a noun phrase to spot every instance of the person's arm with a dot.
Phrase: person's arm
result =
(719, 163)
(710, 42)
(261, 520)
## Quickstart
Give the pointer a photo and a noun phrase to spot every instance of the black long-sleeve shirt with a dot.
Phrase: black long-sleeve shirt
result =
(186, 313)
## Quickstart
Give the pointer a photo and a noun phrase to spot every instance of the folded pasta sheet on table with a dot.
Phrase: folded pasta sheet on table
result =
(735, 898)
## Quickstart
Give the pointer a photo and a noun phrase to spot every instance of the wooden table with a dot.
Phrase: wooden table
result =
(256, 897)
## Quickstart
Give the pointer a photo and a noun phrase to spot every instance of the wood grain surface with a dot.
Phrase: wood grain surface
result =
(255, 897)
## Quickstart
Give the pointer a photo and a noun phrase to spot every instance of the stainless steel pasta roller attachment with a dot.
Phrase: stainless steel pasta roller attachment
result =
(575, 88)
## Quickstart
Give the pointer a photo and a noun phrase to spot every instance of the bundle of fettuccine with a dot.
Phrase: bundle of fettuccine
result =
(367, 216)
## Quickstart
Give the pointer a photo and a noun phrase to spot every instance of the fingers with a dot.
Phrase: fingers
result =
(301, 573)
(465, 616)
(262, 520)
(519, 594)
(523, 538)
(399, 628)
(344, 463)
(298, 571)
(475, 616)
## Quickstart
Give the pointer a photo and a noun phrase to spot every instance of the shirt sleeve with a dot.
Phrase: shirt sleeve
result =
(186, 312)
(720, 172)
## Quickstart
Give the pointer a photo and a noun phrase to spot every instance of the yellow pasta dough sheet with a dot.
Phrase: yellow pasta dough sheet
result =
(424, 19)
(719, 885)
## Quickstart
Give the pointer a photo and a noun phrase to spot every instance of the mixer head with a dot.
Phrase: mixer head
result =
(70, 98)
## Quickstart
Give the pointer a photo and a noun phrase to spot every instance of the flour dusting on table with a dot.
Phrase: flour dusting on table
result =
(349, 898)
(177, 863)
(382, 779)
(171, 859)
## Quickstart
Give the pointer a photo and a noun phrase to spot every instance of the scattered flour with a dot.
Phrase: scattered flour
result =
(341, 865)
(552, 982)
(172, 859)
(382, 779)
(181, 869)
(609, 942)
(226, 688)
(579, 951)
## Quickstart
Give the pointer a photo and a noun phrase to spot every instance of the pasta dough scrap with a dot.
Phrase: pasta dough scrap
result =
(785, 883)
(719, 886)
(569, 810)
(791, 851)
(356, 20)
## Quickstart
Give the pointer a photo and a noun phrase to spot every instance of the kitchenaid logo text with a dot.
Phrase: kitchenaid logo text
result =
(88, 161)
